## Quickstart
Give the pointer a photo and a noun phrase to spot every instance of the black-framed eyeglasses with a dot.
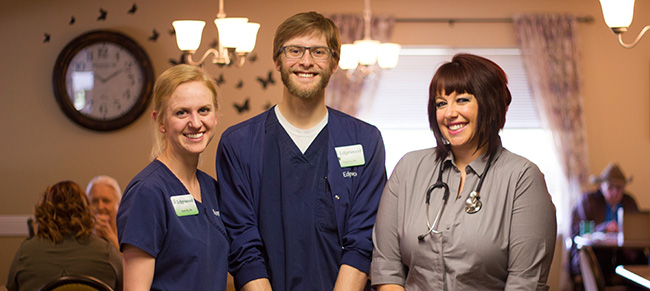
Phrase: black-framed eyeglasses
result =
(316, 52)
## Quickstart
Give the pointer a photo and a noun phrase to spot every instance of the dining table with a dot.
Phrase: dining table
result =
(611, 245)
(609, 239)
(637, 274)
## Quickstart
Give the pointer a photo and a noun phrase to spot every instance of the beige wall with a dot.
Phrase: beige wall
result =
(40, 146)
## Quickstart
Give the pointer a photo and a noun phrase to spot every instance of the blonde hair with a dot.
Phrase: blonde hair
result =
(163, 89)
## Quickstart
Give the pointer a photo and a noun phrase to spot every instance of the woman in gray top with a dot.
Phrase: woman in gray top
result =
(468, 214)
(64, 244)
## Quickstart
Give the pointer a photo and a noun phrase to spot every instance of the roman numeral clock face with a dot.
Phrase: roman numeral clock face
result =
(103, 80)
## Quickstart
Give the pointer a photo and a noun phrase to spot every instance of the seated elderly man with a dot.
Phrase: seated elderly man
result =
(601, 207)
(104, 195)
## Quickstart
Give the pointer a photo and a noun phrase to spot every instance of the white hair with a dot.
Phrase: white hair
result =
(108, 181)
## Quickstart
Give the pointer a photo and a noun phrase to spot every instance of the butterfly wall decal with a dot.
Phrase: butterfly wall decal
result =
(180, 60)
(220, 81)
(102, 14)
(154, 35)
(243, 107)
(133, 9)
(265, 82)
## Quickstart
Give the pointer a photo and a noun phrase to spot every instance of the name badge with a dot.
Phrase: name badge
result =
(184, 205)
(350, 156)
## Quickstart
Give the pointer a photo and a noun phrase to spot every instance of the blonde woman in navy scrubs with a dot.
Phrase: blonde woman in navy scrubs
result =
(468, 214)
(169, 225)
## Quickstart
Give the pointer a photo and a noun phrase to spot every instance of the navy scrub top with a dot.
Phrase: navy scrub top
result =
(191, 251)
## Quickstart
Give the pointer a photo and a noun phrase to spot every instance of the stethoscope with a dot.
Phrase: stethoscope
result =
(472, 205)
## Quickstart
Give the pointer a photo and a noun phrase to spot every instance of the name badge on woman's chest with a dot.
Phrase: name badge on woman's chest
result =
(184, 205)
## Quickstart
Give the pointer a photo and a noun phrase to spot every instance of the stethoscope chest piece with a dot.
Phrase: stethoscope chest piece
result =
(473, 203)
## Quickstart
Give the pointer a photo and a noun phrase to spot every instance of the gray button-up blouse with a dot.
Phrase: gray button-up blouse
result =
(507, 245)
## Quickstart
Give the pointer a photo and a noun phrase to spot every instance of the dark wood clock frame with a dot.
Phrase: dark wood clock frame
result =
(61, 68)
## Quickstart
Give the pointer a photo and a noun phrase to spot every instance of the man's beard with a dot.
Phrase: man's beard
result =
(305, 93)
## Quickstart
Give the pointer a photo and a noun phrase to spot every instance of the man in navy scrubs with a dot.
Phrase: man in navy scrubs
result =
(301, 182)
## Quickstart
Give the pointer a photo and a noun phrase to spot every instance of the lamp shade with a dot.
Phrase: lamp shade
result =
(388, 55)
(349, 58)
(188, 34)
(248, 37)
(230, 30)
(367, 49)
(617, 13)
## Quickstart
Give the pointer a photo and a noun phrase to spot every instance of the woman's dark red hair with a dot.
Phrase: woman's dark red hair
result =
(484, 79)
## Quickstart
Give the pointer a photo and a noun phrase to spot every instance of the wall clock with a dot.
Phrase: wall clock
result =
(103, 80)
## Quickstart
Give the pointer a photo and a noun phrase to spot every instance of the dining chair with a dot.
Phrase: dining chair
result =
(76, 283)
(592, 276)
(31, 227)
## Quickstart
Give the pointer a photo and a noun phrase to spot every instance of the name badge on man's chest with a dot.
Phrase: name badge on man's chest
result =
(184, 205)
(350, 156)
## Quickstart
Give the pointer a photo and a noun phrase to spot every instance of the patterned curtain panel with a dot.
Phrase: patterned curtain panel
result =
(345, 90)
(550, 52)
(549, 46)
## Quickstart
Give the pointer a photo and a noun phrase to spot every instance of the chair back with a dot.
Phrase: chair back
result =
(592, 276)
(76, 283)
(30, 227)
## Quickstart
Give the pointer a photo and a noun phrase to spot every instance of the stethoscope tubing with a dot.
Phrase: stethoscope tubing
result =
(445, 197)
(431, 228)
(472, 205)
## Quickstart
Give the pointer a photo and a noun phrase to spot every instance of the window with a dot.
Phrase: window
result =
(399, 110)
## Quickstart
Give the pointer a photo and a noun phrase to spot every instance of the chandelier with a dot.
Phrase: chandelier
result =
(236, 39)
(618, 15)
(368, 52)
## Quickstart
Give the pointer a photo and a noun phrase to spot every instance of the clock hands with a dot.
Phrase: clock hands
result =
(111, 76)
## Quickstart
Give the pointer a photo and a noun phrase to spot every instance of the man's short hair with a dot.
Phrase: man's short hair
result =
(308, 23)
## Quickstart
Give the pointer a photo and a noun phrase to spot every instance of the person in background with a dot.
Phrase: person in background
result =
(300, 183)
(104, 194)
(601, 206)
(169, 224)
(467, 214)
(64, 243)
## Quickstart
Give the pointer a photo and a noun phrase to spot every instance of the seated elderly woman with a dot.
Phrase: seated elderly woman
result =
(64, 243)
